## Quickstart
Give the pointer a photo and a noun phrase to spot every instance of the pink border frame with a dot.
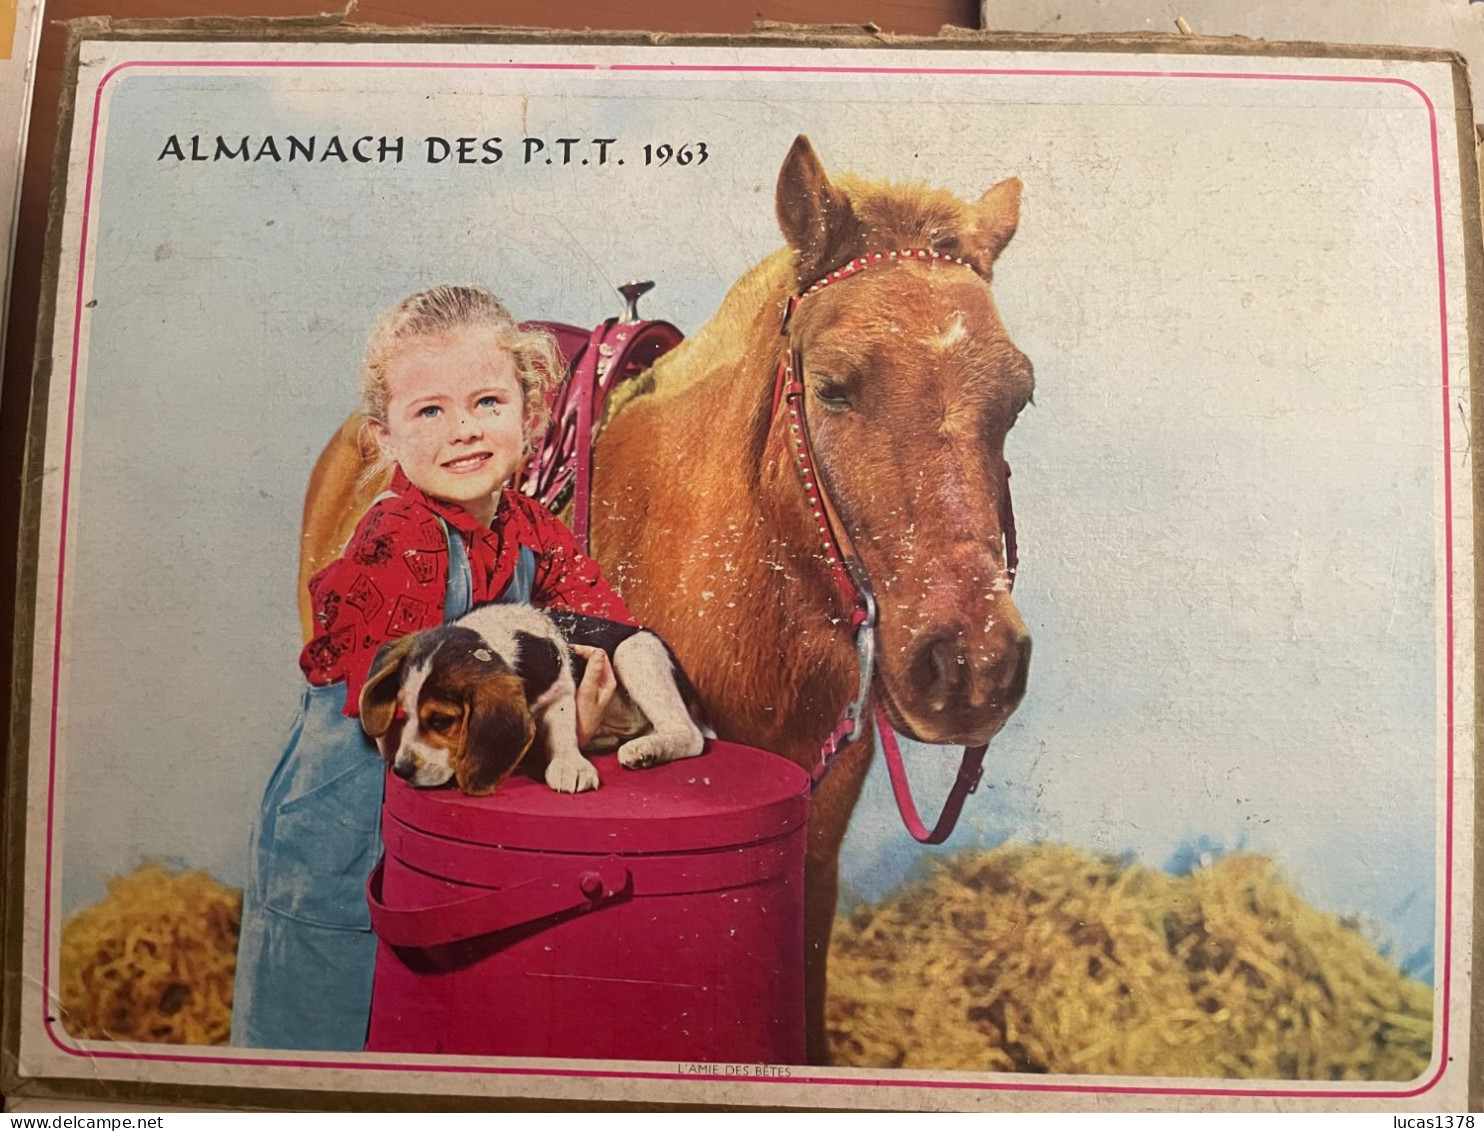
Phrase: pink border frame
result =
(1016, 1084)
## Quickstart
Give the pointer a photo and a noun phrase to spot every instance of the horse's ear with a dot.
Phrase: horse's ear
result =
(995, 219)
(815, 216)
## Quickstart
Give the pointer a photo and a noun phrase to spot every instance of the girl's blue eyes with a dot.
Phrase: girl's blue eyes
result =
(429, 411)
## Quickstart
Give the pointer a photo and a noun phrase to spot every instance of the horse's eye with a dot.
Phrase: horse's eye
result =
(832, 396)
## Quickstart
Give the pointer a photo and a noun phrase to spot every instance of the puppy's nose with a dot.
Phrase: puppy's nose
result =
(404, 770)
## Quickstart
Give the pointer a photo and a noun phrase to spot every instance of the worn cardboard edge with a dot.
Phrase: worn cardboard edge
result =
(15, 777)
(125, 1095)
(1471, 167)
(333, 28)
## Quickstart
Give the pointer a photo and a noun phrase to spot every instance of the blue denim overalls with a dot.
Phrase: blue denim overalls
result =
(306, 954)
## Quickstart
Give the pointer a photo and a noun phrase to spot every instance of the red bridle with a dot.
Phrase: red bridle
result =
(850, 577)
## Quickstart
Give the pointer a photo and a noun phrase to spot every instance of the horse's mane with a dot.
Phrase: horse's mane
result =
(891, 216)
(720, 342)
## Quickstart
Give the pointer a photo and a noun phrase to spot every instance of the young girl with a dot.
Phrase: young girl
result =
(453, 391)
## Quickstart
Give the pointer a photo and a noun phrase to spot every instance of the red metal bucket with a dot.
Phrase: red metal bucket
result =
(660, 917)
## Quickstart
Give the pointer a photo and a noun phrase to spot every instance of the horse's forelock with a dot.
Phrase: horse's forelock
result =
(897, 216)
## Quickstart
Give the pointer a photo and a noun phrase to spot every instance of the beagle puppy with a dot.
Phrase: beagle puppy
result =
(467, 700)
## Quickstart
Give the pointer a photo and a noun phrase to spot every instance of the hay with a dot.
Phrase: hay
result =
(1048, 959)
(153, 961)
(1042, 959)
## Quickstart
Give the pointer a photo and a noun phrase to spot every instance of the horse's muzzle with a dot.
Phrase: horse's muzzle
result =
(962, 691)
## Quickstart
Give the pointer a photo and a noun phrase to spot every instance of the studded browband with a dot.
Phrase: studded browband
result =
(850, 576)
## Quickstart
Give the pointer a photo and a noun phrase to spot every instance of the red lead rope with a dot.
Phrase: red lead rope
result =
(850, 578)
(971, 769)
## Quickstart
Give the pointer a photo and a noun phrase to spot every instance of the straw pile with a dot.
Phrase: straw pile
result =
(1048, 959)
(1043, 959)
(153, 961)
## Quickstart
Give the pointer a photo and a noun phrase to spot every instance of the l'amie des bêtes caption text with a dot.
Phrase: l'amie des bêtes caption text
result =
(335, 150)
(740, 1070)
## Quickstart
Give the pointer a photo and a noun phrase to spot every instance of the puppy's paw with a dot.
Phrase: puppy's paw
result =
(572, 775)
(658, 748)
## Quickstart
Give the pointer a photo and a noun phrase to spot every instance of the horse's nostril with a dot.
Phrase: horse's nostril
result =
(404, 770)
(1022, 654)
(941, 670)
(945, 674)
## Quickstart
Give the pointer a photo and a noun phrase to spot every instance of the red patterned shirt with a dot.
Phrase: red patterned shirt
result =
(391, 577)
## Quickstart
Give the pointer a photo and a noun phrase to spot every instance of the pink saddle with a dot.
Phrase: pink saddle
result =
(559, 470)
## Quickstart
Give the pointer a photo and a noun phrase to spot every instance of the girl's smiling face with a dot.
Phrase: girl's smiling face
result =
(455, 417)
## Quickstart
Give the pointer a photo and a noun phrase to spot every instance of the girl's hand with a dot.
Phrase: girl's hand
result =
(594, 693)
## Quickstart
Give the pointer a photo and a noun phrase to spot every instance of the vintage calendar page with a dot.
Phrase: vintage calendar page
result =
(1039, 474)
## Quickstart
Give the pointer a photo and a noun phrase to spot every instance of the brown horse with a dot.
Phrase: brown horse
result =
(911, 384)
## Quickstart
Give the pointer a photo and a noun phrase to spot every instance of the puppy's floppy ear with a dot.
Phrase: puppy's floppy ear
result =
(538, 662)
(379, 692)
(498, 730)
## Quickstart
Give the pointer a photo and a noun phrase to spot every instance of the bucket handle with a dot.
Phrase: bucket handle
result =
(581, 887)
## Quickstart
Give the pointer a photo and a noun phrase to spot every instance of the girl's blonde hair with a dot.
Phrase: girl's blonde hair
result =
(444, 310)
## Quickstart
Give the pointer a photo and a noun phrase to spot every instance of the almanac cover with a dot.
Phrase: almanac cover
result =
(1132, 379)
